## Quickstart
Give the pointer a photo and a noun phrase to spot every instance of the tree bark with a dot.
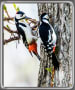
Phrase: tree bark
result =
(61, 19)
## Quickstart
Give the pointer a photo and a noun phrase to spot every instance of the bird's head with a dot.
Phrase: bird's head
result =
(21, 15)
(44, 18)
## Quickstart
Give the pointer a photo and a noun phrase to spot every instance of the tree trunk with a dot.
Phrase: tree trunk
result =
(61, 19)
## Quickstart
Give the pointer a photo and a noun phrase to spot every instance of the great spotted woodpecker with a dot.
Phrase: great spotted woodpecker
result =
(48, 37)
(23, 27)
(25, 30)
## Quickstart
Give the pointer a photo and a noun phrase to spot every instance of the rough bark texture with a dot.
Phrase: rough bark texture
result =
(61, 19)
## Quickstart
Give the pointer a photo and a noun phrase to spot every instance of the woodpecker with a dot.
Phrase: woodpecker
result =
(23, 27)
(26, 31)
(48, 37)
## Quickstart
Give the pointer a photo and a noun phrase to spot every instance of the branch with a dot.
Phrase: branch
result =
(33, 20)
(33, 28)
(11, 39)
(10, 31)
(12, 18)
(7, 13)
(7, 19)
(36, 25)
(5, 9)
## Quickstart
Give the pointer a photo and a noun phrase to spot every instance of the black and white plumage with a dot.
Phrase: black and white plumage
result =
(48, 36)
(23, 27)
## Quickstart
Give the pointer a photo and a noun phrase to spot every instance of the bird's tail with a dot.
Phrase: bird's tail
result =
(55, 62)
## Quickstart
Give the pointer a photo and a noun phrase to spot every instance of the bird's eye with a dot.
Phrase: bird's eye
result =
(21, 15)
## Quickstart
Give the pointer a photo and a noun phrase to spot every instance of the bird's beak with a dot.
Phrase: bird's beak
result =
(27, 17)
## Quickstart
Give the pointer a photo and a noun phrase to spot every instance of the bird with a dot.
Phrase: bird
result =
(23, 27)
(26, 31)
(49, 38)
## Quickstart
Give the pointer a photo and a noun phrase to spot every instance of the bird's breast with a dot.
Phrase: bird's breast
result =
(28, 33)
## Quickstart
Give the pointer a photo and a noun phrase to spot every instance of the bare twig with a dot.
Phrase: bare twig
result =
(35, 26)
(11, 39)
(7, 19)
(7, 13)
(12, 18)
(33, 20)
(10, 31)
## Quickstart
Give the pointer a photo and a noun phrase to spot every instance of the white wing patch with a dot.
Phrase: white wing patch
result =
(53, 36)
(49, 37)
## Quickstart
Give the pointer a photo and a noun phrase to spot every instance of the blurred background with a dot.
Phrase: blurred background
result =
(20, 68)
